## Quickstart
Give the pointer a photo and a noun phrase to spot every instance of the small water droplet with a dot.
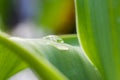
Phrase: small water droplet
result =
(60, 46)
(54, 38)
(56, 42)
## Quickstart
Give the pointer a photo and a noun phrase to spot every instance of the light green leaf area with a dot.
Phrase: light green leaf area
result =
(70, 39)
(48, 58)
(9, 63)
(98, 26)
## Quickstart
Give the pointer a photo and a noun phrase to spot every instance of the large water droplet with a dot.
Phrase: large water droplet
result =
(54, 38)
(56, 42)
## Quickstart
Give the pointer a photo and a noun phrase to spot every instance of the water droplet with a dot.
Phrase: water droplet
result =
(54, 38)
(56, 42)
(61, 46)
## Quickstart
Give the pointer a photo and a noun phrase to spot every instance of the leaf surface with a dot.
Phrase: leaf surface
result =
(51, 60)
(98, 28)
(10, 64)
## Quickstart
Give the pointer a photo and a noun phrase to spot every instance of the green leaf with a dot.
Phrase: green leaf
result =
(41, 65)
(52, 60)
(10, 64)
(98, 27)
(70, 39)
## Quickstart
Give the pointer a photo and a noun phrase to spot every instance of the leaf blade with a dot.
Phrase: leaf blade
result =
(98, 30)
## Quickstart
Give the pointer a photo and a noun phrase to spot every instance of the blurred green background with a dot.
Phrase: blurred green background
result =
(37, 18)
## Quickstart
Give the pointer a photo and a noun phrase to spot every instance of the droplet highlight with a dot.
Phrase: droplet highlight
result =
(54, 38)
(56, 42)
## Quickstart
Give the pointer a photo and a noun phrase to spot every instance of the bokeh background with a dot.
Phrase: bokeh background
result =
(37, 18)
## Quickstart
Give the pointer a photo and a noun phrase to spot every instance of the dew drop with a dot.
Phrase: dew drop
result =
(54, 38)
(56, 42)
(61, 46)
